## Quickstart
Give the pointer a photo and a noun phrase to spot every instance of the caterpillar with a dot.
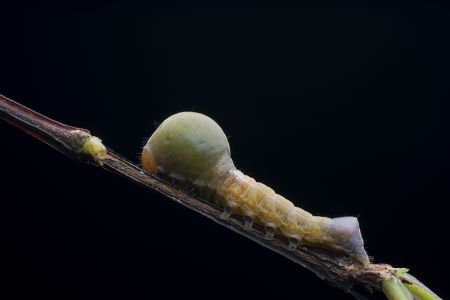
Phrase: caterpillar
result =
(193, 150)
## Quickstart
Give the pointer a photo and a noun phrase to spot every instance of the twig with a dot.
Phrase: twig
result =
(337, 269)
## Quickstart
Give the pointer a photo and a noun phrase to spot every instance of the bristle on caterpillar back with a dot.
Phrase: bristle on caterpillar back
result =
(191, 148)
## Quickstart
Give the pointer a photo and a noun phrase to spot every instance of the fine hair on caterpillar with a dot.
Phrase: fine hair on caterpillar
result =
(192, 149)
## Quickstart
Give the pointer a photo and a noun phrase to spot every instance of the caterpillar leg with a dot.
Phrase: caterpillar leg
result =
(248, 221)
(293, 243)
(346, 233)
(269, 232)
(226, 212)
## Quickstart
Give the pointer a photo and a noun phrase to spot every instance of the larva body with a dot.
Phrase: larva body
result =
(250, 198)
(192, 149)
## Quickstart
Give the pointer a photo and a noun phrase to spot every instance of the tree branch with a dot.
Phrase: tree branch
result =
(337, 269)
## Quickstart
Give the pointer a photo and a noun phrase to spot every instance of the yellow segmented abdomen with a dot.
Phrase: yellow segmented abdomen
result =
(248, 197)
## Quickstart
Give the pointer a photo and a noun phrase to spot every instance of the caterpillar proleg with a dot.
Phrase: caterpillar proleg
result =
(192, 149)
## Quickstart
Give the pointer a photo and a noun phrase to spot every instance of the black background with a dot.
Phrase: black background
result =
(340, 108)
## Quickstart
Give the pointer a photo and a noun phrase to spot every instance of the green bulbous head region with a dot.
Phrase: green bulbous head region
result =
(189, 146)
